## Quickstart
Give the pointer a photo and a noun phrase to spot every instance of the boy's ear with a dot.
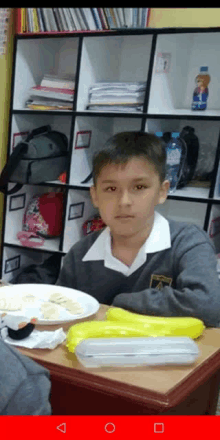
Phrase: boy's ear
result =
(163, 191)
(93, 194)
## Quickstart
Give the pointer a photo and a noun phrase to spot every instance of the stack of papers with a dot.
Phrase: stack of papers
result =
(52, 94)
(117, 96)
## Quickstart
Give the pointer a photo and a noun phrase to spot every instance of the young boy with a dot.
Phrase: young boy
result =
(141, 261)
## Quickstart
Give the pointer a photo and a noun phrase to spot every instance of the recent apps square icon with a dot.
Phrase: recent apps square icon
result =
(158, 428)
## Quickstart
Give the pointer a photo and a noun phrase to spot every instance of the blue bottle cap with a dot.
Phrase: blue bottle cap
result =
(175, 134)
(204, 69)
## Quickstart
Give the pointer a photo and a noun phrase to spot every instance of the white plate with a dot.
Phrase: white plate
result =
(42, 293)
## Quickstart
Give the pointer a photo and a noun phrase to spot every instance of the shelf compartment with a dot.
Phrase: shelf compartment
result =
(191, 192)
(90, 135)
(16, 259)
(183, 211)
(23, 124)
(56, 56)
(15, 209)
(118, 58)
(208, 135)
(79, 209)
(172, 92)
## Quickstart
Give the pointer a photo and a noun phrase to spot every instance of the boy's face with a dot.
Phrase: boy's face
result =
(126, 196)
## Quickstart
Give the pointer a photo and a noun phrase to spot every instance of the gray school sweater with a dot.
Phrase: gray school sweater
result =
(24, 384)
(179, 281)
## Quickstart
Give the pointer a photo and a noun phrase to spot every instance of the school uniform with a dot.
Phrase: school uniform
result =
(173, 274)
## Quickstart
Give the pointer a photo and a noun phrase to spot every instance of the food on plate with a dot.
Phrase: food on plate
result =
(28, 298)
(49, 310)
(72, 306)
(10, 303)
(50, 307)
(2, 302)
(58, 298)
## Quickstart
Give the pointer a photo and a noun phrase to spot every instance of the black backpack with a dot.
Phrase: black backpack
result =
(45, 273)
(41, 157)
(192, 142)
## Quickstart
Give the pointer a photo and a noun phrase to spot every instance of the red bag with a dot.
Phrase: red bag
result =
(43, 217)
(94, 224)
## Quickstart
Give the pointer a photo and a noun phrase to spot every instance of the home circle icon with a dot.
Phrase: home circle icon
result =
(110, 427)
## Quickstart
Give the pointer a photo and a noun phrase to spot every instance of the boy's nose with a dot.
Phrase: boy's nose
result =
(125, 198)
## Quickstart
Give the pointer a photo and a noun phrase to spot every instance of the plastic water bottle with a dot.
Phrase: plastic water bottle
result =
(176, 150)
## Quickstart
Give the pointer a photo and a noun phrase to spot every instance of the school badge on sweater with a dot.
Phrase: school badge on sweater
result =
(160, 281)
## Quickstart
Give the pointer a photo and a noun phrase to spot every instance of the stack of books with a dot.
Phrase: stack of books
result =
(117, 96)
(52, 94)
(79, 19)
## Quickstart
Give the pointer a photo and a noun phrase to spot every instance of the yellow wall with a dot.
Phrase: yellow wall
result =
(184, 17)
(5, 88)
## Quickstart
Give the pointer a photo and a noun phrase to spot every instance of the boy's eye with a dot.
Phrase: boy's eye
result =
(110, 188)
(140, 187)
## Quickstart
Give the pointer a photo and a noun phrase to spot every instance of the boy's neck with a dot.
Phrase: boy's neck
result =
(132, 242)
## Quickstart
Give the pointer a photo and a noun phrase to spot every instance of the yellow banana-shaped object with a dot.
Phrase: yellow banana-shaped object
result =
(158, 325)
(102, 329)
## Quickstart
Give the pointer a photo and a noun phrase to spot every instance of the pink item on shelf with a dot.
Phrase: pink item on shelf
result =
(25, 239)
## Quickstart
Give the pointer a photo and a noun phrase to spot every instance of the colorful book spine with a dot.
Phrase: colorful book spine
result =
(19, 20)
(40, 21)
(69, 21)
(135, 18)
(80, 19)
(63, 19)
(37, 20)
(121, 17)
(128, 12)
(43, 20)
(90, 19)
(84, 18)
(75, 18)
(116, 17)
(53, 89)
(109, 18)
(111, 10)
(102, 18)
(58, 19)
(96, 18)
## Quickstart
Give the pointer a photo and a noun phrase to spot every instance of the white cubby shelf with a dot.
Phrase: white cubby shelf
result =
(121, 56)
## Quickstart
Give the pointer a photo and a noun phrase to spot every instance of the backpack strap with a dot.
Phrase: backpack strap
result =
(38, 131)
(10, 166)
(14, 189)
(87, 179)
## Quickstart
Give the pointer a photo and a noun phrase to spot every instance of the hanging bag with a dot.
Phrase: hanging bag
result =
(41, 157)
(42, 219)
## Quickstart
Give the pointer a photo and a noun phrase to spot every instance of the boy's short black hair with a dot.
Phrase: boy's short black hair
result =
(122, 147)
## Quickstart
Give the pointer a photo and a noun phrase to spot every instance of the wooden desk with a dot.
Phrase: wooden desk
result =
(167, 390)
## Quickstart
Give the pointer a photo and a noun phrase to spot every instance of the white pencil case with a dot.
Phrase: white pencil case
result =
(136, 351)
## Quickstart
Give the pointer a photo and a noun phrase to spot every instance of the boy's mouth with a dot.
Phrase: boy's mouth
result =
(124, 216)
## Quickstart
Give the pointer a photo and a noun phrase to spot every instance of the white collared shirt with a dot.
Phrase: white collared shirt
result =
(158, 240)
